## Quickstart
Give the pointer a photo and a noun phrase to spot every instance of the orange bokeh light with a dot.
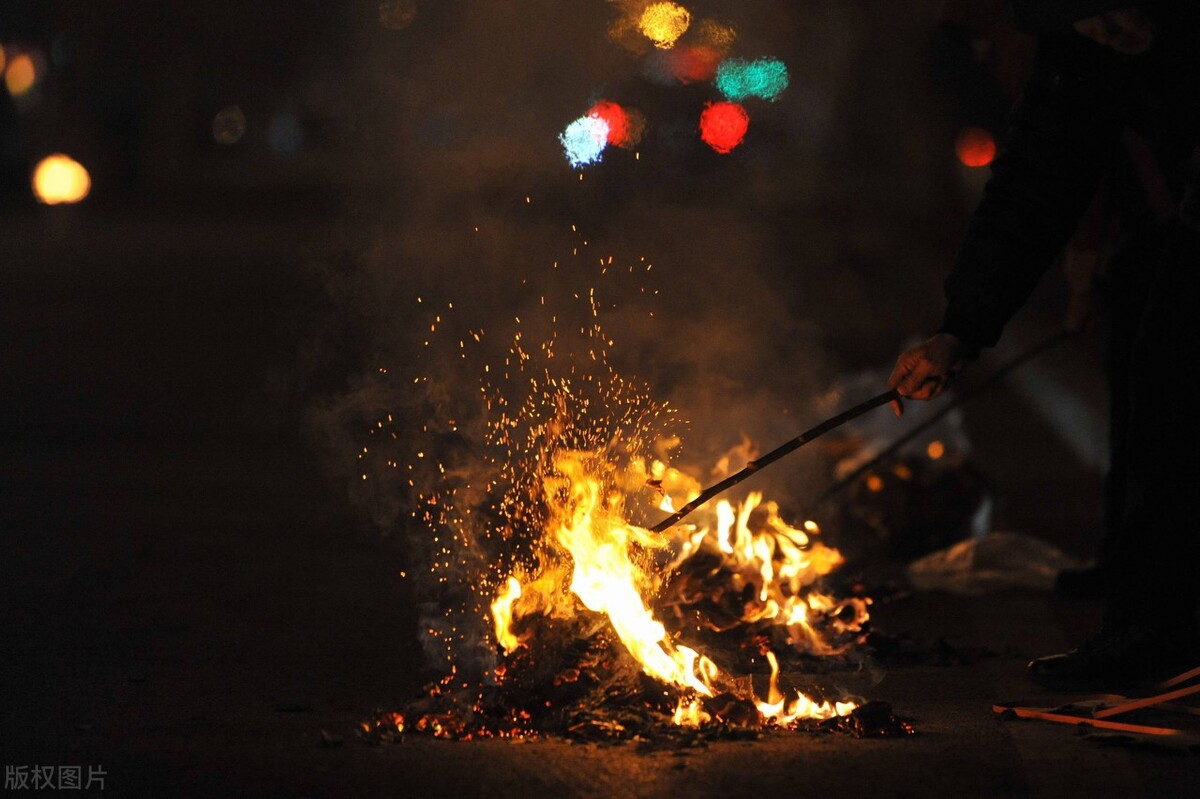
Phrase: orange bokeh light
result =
(20, 75)
(975, 147)
(59, 179)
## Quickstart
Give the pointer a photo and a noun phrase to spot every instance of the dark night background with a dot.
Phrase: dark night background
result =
(197, 594)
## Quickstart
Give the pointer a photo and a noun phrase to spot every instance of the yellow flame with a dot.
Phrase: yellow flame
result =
(60, 179)
(609, 574)
(664, 23)
(777, 708)
(588, 525)
(502, 614)
(690, 713)
(20, 75)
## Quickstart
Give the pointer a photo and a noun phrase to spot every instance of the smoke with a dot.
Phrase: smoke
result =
(719, 279)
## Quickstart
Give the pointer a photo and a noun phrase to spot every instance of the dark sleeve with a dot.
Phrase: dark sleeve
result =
(1059, 136)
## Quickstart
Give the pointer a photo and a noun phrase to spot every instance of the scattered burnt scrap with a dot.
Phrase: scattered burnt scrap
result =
(908, 508)
(575, 680)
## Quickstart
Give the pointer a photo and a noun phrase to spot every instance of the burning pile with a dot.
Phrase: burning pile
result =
(597, 627)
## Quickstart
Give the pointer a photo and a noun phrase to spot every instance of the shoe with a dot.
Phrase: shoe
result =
(1132, 657)
(1080, 583)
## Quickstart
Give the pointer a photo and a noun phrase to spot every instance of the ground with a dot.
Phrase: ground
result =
(190, 602)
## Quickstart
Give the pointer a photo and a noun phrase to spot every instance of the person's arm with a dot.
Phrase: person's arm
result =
(1060, 136)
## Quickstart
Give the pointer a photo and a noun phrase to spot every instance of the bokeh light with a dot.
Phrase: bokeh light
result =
(975, 147)
(715, 34)
(397, 14)
(229, 125)
(935, 450)
(664, 23)
(584, 140)
(3, 58)
(20, 75)
(285, 133)
(723, 126)
(694, 64)
(616, 118)
(738, 79)
(59, 179)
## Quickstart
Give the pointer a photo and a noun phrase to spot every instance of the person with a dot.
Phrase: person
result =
(1103, 71)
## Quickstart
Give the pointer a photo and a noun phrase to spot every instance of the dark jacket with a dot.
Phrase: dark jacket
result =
(1063, 133)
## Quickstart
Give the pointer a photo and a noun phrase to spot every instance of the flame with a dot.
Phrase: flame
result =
(587, 523)
(690, 713)
(502, 614)
(609, 574)
(779, 709)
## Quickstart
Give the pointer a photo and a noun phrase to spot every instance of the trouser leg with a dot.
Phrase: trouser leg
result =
(1155, 551)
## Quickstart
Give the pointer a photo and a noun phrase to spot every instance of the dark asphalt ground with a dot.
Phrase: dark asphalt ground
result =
(189, 601)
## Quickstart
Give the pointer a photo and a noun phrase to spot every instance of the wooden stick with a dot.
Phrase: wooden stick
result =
(774, 455)
(895, 446)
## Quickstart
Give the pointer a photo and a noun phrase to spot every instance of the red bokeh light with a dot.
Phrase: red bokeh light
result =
(975, 147)
(617, 119)
(695, 64)
(723, 126)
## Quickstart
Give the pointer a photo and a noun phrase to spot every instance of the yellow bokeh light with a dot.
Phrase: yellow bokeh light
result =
(664, 23)
(60, 179)
(20, 75)
(936, 449)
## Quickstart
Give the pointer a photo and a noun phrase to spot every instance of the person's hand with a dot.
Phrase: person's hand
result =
(1129, 31)
(926, 370)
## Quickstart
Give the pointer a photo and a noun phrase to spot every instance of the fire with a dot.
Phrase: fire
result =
(547, 545)
(588, 524)
(781, 710)
(502, 614)
(610, 574)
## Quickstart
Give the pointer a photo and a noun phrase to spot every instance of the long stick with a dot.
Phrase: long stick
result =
(895, 446)
(774, 455)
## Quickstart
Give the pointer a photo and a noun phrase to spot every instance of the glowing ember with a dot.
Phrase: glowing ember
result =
(723, 126)
(738, 79)
(584, 140)
(664, 23)
(975, 147)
